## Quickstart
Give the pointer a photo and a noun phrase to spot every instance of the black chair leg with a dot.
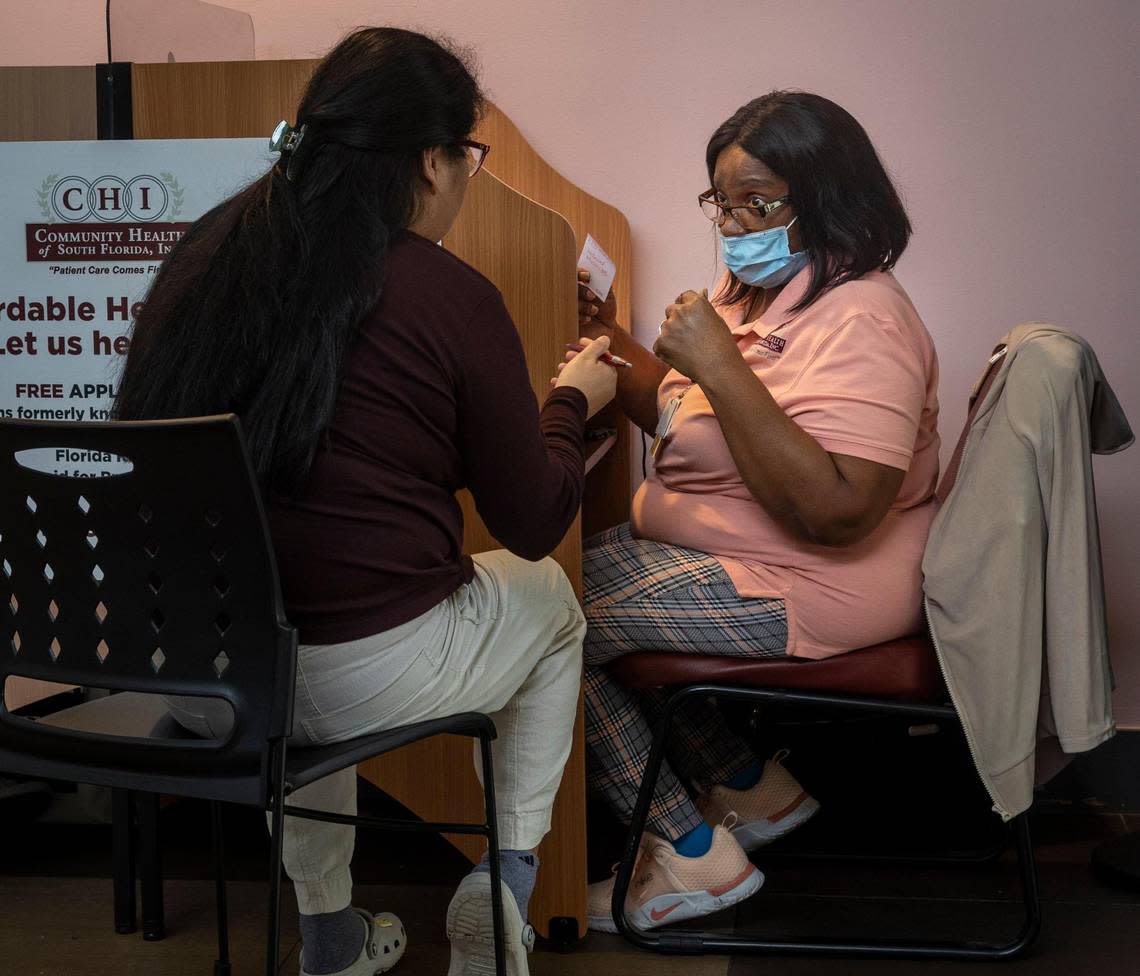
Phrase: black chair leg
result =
(123, 857)
(222, 963)
(1030, 890)
(637, 824)
(150, 868)
(277, 786)
(493, 855)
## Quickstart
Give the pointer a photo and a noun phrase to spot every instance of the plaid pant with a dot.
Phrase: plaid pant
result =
(640, 595)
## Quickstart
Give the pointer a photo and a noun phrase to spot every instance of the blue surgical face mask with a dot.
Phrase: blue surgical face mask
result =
(763, 258)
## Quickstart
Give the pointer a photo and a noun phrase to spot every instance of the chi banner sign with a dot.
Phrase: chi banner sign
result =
(84, 227)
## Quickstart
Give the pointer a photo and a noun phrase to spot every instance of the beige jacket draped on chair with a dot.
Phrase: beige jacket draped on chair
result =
(1013, 582)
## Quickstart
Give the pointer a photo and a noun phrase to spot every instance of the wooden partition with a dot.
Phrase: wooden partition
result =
(42, 104)
(215, 100)
(516, 163)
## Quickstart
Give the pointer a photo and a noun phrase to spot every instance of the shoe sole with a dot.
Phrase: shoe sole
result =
(759, 833)
(471, 931)
(682, 906)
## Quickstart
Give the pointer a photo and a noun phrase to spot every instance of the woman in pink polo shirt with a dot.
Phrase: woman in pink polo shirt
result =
(795, 458)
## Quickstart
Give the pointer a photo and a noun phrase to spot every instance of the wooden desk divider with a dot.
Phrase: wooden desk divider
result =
(523, 226)
(516, 163)
(47, 104)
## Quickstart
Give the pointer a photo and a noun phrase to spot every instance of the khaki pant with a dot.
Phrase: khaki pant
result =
(508, 644)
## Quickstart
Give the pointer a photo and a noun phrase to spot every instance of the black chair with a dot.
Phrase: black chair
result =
(160, 580)
(899, 678)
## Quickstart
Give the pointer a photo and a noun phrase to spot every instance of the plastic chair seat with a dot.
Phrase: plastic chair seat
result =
(898, 670)
(145, 716)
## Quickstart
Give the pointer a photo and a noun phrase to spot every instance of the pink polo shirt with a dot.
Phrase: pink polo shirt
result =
(856, 370)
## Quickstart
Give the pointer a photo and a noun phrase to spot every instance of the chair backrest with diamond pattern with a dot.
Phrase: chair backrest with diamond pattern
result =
(158, 580)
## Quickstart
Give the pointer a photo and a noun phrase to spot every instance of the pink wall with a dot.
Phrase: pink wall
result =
(1010, 127)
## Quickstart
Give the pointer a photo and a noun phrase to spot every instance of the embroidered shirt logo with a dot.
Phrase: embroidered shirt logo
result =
(770, 344)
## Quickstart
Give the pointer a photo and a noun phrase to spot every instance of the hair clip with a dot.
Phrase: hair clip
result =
(285, 138)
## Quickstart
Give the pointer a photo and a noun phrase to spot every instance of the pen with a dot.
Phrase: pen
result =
(604, 357)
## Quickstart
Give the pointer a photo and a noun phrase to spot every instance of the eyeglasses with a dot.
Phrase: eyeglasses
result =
(476, 153)
(749, 216)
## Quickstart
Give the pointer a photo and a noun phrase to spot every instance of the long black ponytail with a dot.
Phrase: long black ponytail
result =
(256, 308)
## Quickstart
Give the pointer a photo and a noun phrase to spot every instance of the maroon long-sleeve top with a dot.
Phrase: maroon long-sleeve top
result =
(435, 398)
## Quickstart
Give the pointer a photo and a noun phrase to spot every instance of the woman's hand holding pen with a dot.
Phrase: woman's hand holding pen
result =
(585, 371)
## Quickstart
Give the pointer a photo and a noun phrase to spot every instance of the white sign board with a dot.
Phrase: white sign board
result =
(83, 229)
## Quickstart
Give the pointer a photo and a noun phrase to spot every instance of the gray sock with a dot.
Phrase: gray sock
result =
(332, 941)
(518, 870)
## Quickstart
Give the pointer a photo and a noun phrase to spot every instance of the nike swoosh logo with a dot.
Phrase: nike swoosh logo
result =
(658, 915)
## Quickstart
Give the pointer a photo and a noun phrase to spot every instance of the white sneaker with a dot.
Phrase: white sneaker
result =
(668, 887)
(471, 930)
(384, 946)
(775, 806)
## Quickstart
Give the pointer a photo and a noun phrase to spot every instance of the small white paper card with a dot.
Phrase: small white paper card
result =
(601, 268)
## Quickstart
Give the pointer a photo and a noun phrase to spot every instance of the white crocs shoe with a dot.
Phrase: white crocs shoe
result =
(471, 930)
(384, 946)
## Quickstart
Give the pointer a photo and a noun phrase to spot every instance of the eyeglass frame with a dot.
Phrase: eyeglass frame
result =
(761, 212)
(471, 144)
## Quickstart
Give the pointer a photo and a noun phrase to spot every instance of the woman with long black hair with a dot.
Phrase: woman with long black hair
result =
(375, 374)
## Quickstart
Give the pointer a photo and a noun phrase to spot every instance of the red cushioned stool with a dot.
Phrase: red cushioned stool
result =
(900, 678)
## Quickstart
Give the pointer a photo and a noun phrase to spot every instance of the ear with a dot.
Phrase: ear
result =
(431, 167)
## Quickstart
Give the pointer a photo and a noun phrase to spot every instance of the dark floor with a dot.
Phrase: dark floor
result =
(56, 902)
